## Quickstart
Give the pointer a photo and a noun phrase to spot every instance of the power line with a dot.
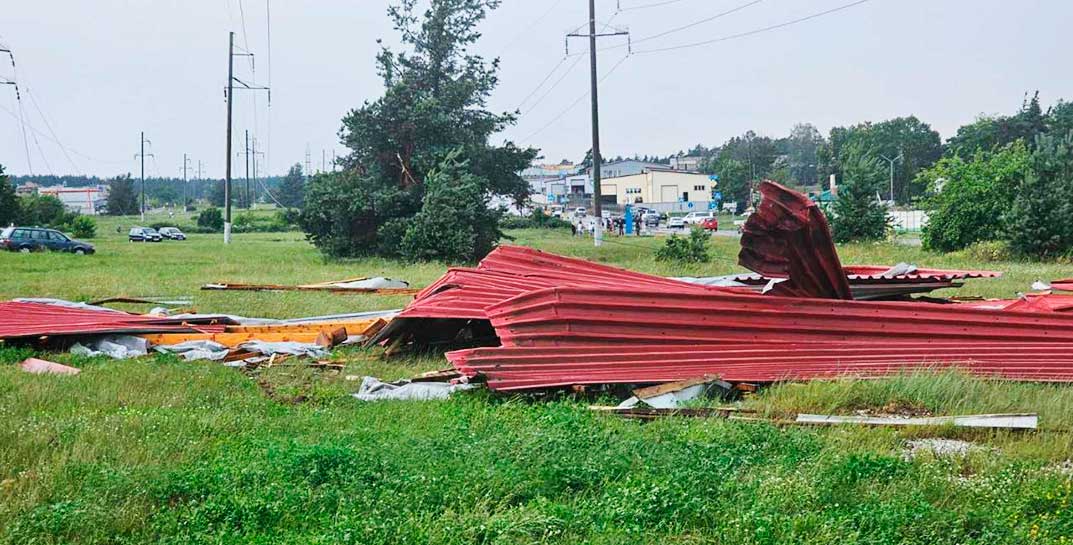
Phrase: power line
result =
(525, 31)
(60, 144)
(542, 82)
(697, 23)
(646, 6)
(755, 31)
(556, 84)
(48, 125)
(574, 103)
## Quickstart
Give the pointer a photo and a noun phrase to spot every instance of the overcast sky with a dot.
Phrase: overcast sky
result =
(100, 71)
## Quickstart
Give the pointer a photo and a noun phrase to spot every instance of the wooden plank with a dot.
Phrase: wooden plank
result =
(1018, 421)
(668, 387)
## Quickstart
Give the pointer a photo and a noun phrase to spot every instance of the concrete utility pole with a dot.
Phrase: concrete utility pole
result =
(253, 154)
(142, 155)
(186, 161)
(230, 91)
(597, 160)
(892, 161)
(247, 198)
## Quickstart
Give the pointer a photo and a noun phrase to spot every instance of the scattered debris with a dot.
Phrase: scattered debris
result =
(119, 347)
(196, 350)
(1063, 285)
(380, 286)
(185, 301)
(939, 448)
(671, 395)
(372, 389)
(29, 320)
(992, 421)
(647, 413)
(45, 367)
(333, 332)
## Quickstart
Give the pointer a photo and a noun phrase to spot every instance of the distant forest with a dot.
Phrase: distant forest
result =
(161, 190)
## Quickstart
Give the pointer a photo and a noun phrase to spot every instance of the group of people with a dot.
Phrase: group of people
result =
(609, 225)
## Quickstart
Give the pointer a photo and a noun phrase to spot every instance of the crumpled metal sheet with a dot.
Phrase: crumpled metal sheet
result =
(373, 389)
(788, 237)
(119, 347)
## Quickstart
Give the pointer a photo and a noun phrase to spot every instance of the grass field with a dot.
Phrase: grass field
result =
(161, 451)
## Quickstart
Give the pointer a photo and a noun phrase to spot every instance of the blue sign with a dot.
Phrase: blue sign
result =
(714, 177)
(690, 204)
(717, 195)
(712, 205)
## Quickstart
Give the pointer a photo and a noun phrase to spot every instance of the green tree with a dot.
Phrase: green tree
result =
(44, 211)
(455, 224)
(211, 219)
(802, 149)
(83, 227)
(969, 199)
(757, 153)
(9, 201)
(1040, 224)
(857, 213)
(434, 103)
(292, 188)
(217, 194)
(988, 133)
(918, 145)
(691, 249)
(733, 178)
(122, 198)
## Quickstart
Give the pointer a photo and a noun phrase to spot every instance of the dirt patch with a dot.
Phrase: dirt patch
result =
(895, 408)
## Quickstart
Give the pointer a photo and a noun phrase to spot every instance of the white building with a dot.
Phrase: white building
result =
(88, 200)
(660, 186)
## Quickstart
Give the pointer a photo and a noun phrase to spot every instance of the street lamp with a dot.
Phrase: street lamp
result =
(892, 161)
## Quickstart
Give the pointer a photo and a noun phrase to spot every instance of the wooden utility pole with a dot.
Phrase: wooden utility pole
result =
(230, 101)
(247, 198)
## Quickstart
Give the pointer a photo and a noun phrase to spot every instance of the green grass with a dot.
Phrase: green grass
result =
(161, 451)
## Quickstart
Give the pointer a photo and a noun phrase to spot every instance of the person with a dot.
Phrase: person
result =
(637, 225)
(573, 230)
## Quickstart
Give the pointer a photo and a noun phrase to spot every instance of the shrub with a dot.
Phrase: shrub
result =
(83, 227)
(990, 250)
(970, 203)
(691, 249)
(537, 220)
(211, 219)
(455, 223)
(1040, 224)
(44, 211)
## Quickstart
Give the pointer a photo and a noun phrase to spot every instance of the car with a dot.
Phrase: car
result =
(710, 224)
(651, 217)
(580, 211)
(557, 211)
(696, 218)
(172, 233)
(144, 234)
(28, 239)
(676, 222)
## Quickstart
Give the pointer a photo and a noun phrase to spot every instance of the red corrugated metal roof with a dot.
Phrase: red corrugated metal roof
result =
(876, 272)
(508, 368)
(19, 319)
(1064, 285)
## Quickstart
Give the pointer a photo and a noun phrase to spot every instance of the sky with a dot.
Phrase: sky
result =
(94, 74)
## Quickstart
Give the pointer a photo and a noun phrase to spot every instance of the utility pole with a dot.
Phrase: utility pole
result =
(597, 206)
(142, 155)
(892, 161)
(309, 167)
(247, 199)
(186, 161)
(254, 154)
(229, 94)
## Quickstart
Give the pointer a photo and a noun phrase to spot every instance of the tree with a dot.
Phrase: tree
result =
(988, 133)
(914, 140)
(757, 153)
(455, 224)
(857, 213)
(1040, 223)
(733, 175)
(803, 145)
(83, 227)
(44, 211)
(969, 199)
(122, 199)
(292, 188)
(217, 194)
(434, 104)
(211, 219)
(9, 201)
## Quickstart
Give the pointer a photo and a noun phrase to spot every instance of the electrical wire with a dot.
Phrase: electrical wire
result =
(41, 151)
(524, 31)
(652, 5)
(542, 82)
(683, 27)
(574, 103)
(33, 101)
(60, 144)
(268, 120)
(754, 31)
(554, 85)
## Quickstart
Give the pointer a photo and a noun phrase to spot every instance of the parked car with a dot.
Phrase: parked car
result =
(172, 233)
(580, 212)
(28, 239)
(676, 222)
(144, 234)
(696, 218)
(650, 217)
(557, 211)
(710, 224)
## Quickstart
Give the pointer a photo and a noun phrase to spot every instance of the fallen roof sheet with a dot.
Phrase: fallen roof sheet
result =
(1063, 285)
(20, 319)
(539, 367)
(788, 237)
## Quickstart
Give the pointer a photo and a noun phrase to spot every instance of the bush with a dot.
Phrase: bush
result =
(83, 227)
(971, 204)
(990, 250)
(455, 223)
(211, 219)
(44, 211)
(691, 249)
(1040, 224)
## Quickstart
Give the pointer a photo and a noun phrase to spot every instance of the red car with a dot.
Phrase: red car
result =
(710, 224)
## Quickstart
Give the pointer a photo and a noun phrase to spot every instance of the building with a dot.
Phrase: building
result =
(84, 200)
(626, 167)
(26, 190)
(664, 186)
(688, 163)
